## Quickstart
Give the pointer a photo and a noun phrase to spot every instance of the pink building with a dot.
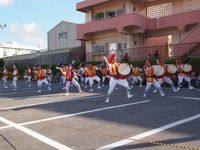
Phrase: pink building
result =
(139, 27)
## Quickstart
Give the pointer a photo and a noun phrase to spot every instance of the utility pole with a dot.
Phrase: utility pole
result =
(2, 26)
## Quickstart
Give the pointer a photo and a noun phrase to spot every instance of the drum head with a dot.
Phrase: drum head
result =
(124, 69)
(171, 69)
(187, 68)
(158, 70)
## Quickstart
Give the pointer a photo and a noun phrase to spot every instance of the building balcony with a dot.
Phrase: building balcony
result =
(85, 5)
(133, 20)
(118, 23)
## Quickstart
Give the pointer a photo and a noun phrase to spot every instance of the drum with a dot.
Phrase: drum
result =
(171, 69)
(187, 68)
(124, 69)
(158, 70)
(80, 70)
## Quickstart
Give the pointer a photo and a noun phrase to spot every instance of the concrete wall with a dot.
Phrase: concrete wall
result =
(53, 37)
(65, 56)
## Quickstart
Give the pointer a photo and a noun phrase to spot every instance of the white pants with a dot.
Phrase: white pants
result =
(113, 82)
(49, 78)
(155, 83)
(86, 80)
(103, 78)
(40, 82)
(167, 80)
(180, 80)
(4, 79)
(91, 79)
(63, 79)
(74, 82)
(14, 83)
(137, 78)
(28, 78)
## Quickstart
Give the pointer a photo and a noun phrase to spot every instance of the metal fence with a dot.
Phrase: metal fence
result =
(46, 58)
(142, 53)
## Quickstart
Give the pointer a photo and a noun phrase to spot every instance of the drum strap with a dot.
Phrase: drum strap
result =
(114, 76)
(149, 76)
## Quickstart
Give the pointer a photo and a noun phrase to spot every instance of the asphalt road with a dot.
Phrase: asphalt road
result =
(50, 120)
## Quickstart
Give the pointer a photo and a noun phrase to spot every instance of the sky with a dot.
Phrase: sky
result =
(28, 21)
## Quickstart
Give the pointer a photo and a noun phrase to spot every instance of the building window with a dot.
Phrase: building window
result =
(98, 48)
(63, 36)
(121, 46)
(4, 52)
(159, 10)
(98, 16)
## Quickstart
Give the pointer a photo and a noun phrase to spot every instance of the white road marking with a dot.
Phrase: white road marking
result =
(79, 113)
(39, 96)
(148, 133)
(36, 135)
(19, 92)
(50, 102)
(189, 98)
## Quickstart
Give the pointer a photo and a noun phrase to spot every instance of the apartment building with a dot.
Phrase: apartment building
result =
(13, 49)
(139, 27)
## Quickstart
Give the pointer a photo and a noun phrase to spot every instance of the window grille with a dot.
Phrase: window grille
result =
(159, 10)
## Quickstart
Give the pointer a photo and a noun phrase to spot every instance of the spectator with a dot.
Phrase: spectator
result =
(125, 58)
(156, 54)
(193, 79)
(198, 81)
(149, 57)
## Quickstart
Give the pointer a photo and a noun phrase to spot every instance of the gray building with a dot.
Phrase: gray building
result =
(62, 47)
(63, 37)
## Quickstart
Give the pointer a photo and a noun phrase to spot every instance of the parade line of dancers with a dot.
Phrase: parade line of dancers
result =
(115, 73)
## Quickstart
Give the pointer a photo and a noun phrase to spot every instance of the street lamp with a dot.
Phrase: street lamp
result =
(2, 26)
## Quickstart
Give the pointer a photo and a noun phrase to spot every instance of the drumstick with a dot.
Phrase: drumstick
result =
(157, 61)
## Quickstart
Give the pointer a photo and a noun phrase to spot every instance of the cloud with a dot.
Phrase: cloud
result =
(27, 33)
(41, 1)
(6, 2)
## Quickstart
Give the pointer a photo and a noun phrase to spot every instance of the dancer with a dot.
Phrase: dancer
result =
(183, 75)
(105, 74)
(62, 69)
(70, 79)
(41, 78)
(116, 79)
(15, 77)
(49, 74)
(5, 76)
(150, 79)
(91, 69)
(27, 75)
(135, 71)
(166, 77)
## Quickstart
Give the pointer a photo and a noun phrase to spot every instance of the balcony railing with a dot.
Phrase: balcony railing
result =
(141, 53)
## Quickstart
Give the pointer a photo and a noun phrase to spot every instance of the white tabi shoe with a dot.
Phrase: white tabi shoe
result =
(67, 94)
(129, 96)
(49, 88)
(107, 100)
(145, 95)
(39, 91)
(91, 90)
(178, 89)
(163, 94)
(155, 91)
(191, 88)
(99, 87)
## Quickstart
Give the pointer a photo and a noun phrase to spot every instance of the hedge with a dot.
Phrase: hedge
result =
(194, 61)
